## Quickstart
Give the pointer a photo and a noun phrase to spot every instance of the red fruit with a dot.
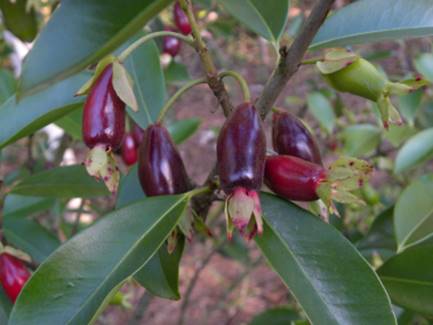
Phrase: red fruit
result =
(13, 275)
(171, 45)
(104, 114)
(129, 150)
(291, 137)
(138, 134)
(160, 167)
(181, 20)
(241, 150)
(293, 178)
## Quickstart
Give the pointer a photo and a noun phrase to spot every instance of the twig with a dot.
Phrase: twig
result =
(290, 58)
(192, 283)
(142, 305)
(215, 83)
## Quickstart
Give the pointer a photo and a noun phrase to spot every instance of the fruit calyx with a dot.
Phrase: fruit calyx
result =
(291, 137)
(241, 150)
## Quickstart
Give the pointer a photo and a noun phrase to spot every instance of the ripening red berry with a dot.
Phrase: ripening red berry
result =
(160, 167)
(104, 114)
(137, 133)
(171, 45)
(291, 137)
(129, 150)
(241, 150)
(13, 275)
(293, 178)
(181, 20)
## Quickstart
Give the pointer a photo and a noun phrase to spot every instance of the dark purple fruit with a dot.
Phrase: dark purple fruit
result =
(171, 45)
(104, 114)
(129, 150)
(181, 20)
(291, 137)
(160, 167)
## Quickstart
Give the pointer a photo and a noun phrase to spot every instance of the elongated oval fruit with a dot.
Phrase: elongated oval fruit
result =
(171, 45)
(137, 133)
(129, 150)
(104, 114)
(241, 150)
(181, 19)
(160, 167)
(293, 178)
(291, 137)
(13, 275)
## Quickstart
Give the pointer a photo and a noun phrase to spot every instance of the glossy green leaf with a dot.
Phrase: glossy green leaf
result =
(322, 110)
(415, 151)
(408, 277)
(266, 18)
(61, 182)
(380, 238)
(413, 215)
(375, 20)
(72, 123)
(160, 275)
(30, 236)
(79, 33)
(183, 129)
(19, 205)
(18, 120)
(7, 85)
(72, 283)
(275, 316)
(19, 20)
(360, 140)
(149, 84)
(424, 65)
(318, 265)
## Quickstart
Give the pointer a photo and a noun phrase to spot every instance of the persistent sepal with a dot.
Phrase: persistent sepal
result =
(124, 86)
(100, 163)
(244, 212)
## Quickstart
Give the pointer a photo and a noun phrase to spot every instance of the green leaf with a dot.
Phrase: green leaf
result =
(19, 205)
(275, 316)
(318, 265)
(397, 134)
(183, 129)
(18, 120)
(72, 123)
(72, 283)
(408, 277)
(79, 33)
(61, 182)
(409, 105)
(124, 86)
(5, 306)
(149, 85)
(20, 21)
(322, 110)
(413, 215)
(160, 275)
(360, 140)
(357, 23)
(176, 73)
(424, 65)
(380, 238)
(266, 18)
(7, 85)
(31, 237)
(415, 151)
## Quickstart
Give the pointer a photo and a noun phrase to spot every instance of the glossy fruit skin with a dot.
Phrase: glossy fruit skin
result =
(171, 45)
(181, 20)
(13, 275)
(293, 178)
(359, 78)
(291, 137)
(160, 167)
(241, 150)
(103, 114)
(129, 150)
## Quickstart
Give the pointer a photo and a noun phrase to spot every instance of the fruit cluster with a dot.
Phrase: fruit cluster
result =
(171, 45)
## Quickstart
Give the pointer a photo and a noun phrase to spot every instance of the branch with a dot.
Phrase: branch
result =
(290, 58)
(214, 81)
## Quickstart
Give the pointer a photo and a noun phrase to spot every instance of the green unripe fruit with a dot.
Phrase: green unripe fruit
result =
(358, 78)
